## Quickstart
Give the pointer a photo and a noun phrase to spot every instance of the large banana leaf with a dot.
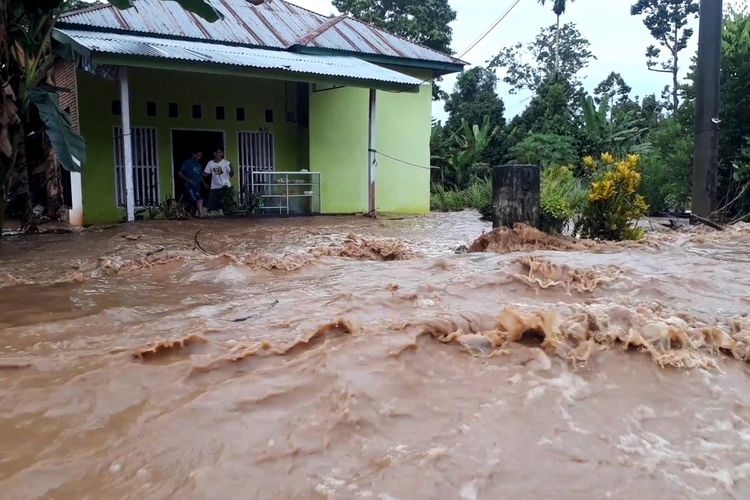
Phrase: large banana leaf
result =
(69, 146)
(198, 7)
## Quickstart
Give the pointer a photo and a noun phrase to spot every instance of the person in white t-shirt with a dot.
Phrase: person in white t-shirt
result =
(221, 174)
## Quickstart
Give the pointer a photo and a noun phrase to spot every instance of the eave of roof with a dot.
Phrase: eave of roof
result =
(130, 50)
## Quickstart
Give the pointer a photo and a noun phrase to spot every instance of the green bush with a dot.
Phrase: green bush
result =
(562, 198)
(614, 205)
(545, 150)
(477, 196)
(447, 200)
(667, 167)
(229, 201)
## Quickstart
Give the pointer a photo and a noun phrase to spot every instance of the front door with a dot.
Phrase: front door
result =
(187, 142)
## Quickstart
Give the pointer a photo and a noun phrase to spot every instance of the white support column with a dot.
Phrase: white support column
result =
(127, 146)
(75, 214)
(372, 156)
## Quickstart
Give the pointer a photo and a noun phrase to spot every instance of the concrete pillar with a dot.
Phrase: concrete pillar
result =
(707, 104)
(372, 156)
(515, 195)
(127, 145)
(75, 214)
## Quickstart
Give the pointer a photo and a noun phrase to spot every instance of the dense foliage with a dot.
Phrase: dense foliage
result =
(422, 21)
(474, 99)
(649, 139)
(563, 197)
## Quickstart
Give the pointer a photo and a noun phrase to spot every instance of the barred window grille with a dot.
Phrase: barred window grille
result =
(143, 141)
(257, 154)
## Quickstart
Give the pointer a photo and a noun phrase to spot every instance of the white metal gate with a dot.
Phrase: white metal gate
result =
(257, 154)
(145, 166)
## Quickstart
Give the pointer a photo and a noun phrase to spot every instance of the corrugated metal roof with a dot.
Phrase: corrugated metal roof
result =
(275, 24)
(188, 50)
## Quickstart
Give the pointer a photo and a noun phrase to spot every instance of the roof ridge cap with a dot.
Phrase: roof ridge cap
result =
(312, 35)
(382, 30)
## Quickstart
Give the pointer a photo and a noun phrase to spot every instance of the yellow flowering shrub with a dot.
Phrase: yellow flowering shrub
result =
(608, 158)
(613, 207)
(589, 163)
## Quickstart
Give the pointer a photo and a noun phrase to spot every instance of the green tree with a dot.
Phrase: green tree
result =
(421, 21)
(545, 150)
(458, 154)
(528, 66)
(426, 22)
(558, 7)
(474, 97)
(550, 111)
(668, 167)
(734, 144)
(30, 106)
(614, 88)
(667, 22)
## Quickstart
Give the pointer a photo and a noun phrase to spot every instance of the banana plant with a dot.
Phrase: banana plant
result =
(26, 58)
(595, 119)
(468, 147)
(607, 133)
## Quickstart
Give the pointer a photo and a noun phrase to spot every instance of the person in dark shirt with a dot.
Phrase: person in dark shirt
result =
(192, 172)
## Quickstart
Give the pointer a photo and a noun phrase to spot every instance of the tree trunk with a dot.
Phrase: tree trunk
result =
(675, 70)
(515, 195)
(3, 195)
(53, 184)
(22, 186)
(557, 47)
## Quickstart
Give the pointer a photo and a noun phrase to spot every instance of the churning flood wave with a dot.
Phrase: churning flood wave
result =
(424, 357)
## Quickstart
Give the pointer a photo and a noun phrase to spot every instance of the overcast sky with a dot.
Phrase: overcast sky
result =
(618, 39)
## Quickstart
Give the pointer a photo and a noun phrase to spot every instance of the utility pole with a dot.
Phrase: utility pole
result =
(707, 101)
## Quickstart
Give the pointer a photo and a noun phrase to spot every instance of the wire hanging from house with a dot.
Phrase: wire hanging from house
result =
(473, 44)
(400, 160)
(471, 47)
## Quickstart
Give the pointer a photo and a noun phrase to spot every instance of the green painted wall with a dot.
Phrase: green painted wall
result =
(339, 144)
(338, 147)
(255, 95)
(404, 127)
(335, 145)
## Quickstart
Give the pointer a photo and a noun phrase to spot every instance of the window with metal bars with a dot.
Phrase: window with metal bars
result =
(257, 154)
(143, 141)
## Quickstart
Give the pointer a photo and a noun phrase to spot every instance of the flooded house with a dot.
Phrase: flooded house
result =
(316, 114)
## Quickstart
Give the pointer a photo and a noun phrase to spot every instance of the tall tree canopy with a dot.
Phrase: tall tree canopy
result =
(473, 98)
(558, 7)
(421, 21)
(527, 66)
(667, 21)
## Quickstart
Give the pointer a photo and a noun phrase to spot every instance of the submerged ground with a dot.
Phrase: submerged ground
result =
(287, 359)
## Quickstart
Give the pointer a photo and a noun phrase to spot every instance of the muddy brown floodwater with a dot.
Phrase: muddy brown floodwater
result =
(357, 358)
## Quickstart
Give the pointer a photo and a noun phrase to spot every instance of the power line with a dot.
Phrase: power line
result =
(476, 42)
(490, 29)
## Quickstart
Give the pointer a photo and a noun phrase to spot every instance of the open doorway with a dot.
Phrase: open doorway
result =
(187, 142)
